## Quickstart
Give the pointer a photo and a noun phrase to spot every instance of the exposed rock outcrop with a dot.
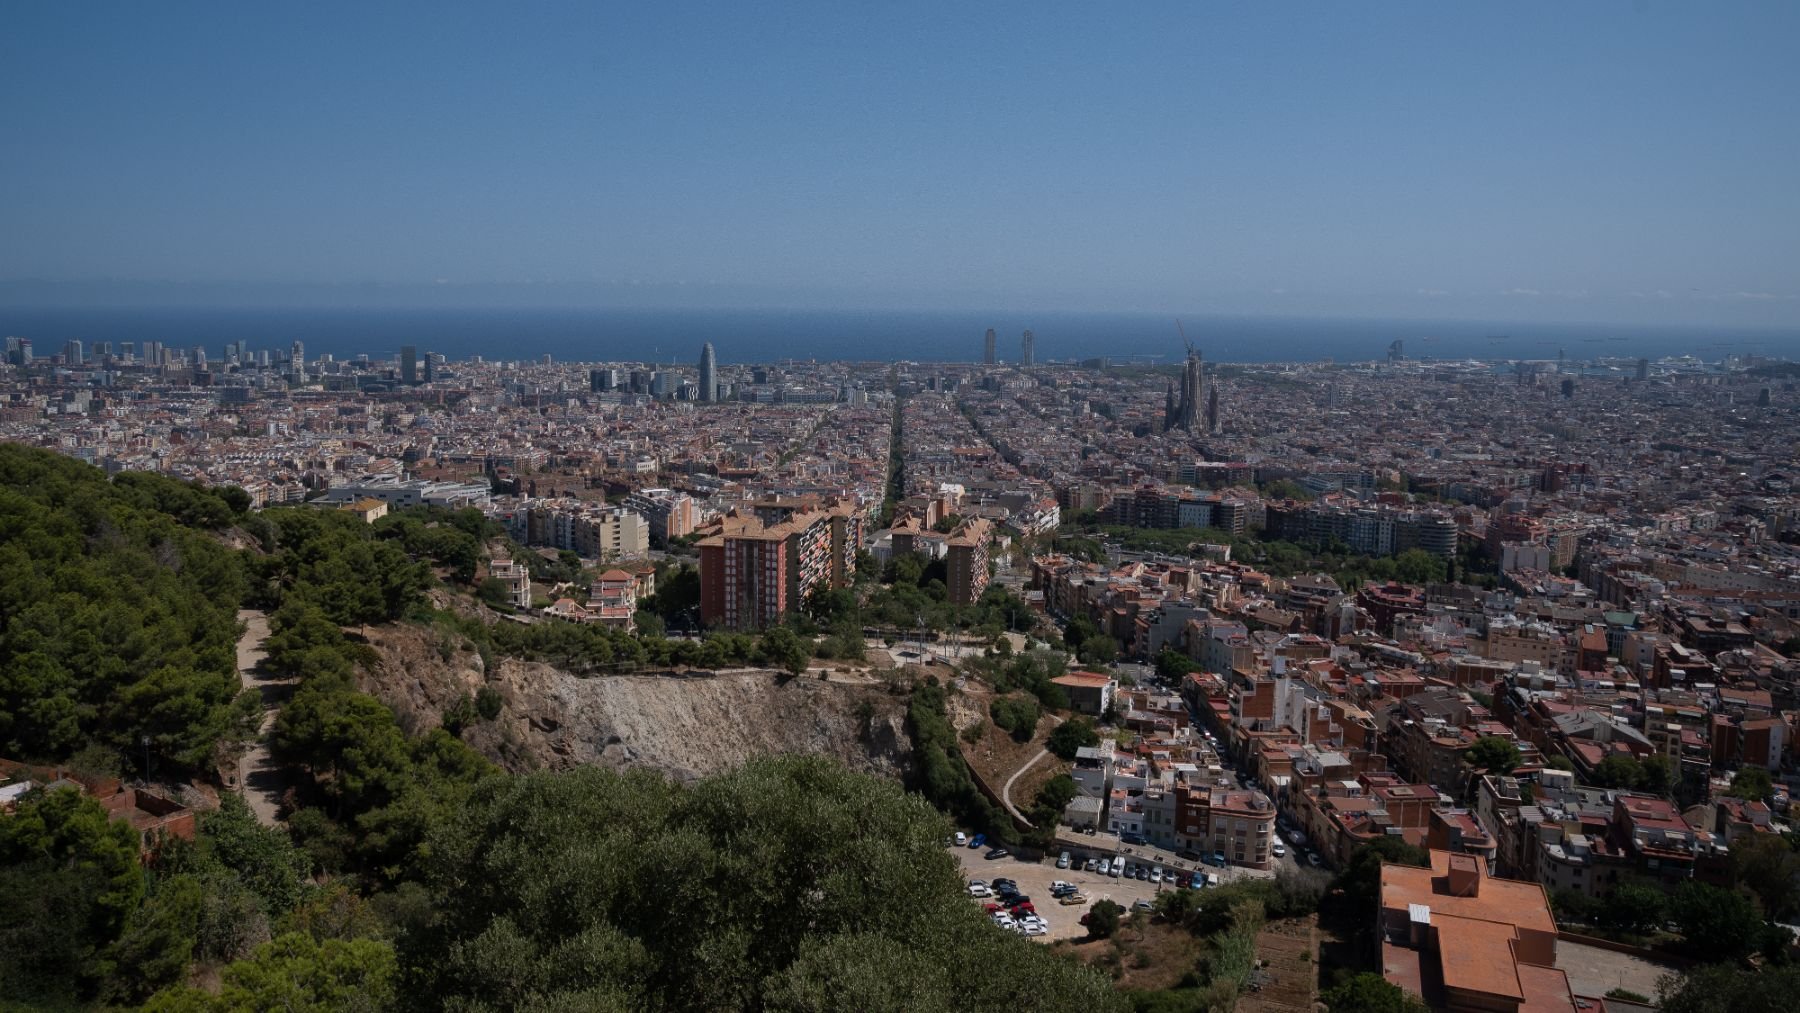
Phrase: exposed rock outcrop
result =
(686, 725)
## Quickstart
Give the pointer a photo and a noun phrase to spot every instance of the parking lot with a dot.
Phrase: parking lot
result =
(1034, 879)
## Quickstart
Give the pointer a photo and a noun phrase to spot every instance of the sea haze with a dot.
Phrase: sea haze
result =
(763, 335)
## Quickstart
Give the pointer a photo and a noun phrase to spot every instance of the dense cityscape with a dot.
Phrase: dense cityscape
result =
(929, 508)
(1534, 624)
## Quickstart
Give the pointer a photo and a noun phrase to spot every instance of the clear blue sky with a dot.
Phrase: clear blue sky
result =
(1595, 160)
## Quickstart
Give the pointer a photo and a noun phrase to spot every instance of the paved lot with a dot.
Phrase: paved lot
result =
(1034, 879)
(1594, 971)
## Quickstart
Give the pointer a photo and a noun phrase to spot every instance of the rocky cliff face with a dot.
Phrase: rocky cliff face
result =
(686, 726)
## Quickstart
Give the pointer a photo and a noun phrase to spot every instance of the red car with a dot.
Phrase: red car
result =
(991, 908)
(1021, 910)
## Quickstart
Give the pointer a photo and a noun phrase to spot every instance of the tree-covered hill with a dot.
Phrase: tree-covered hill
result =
(411, 873)
(117, 615)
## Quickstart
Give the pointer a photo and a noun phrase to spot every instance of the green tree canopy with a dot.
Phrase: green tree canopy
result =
(1619, 770)
(1719, 925)
(1723, 989)
(1753, 784)
(1371, 993)
(1065, 739)
(1496, 754)
(779, 885)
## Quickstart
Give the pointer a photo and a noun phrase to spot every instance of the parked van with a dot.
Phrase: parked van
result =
(1118, 866)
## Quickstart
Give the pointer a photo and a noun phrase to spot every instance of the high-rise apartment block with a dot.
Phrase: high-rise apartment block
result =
(966, 558)
(1028, 349)
(758, 566)
(988, 350)
(409, 364)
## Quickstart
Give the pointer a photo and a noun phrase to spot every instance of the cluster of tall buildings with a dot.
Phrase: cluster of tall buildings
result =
(1027, 349)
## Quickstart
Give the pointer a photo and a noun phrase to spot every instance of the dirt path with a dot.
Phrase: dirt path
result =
(1006, 790)
(259, 779)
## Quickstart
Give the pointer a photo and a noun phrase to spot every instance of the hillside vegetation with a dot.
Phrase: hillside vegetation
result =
(412, 873)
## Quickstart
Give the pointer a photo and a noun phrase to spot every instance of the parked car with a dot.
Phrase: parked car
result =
(990, 907)
(977, 841)
(978, 890)
(1071, 899)
(1133, 837)
(1061, 886)
(1156, 875)
(1313, 859)
(1212, 879)
(1063, 862)
(1143, 872)
(1026, 908)
(961, 839)
(1198, 881)
(1278, 849)
(1090, 864)
(1218, 859)
(1003, 883)
(994, 853)
(1143, 904)
(1118, 866)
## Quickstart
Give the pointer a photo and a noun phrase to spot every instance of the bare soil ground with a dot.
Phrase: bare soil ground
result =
(1287, 955)
(1150, 956)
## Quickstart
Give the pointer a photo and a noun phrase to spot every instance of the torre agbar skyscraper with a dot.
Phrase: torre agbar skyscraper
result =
(709, 373)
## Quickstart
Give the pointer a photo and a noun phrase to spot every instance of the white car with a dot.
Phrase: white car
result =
(962, 839)
(1156, 875)
(1278, 849)
(1004, 920)
(980, 890)
(1034, 926)
(1061, 885)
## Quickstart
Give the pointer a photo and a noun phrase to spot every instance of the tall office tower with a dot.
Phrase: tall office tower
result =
(73, 353)
(1643, 369)
(409, 364)
(198, 357)
(262, 358)
(297, 357)
(709, 373)
(1212, 407)
(1028, 350)
(431, 365)
(1396, 350)
(987, 348)
(1184, 413)
(12, 350)
(24, 352)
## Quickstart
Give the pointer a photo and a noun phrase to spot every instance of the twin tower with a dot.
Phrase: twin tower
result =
(1027, 349)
